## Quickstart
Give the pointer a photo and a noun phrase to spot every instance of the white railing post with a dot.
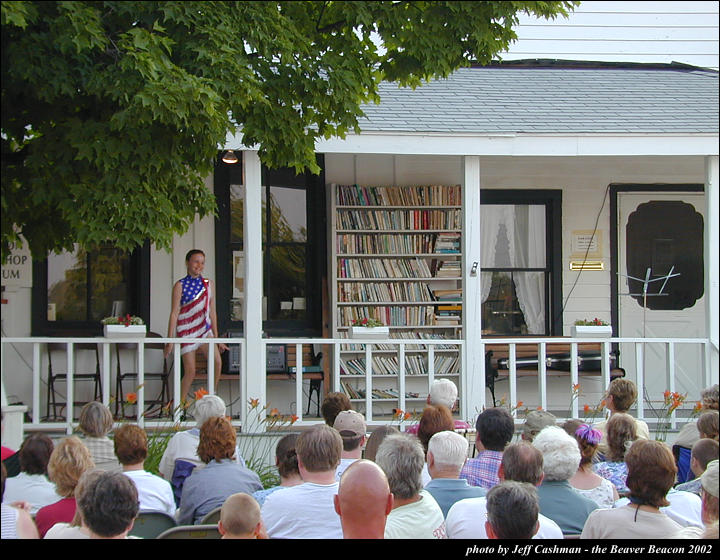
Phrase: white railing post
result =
(574, 377)
(211, 368)
(605, 363)
(640, 380)
(298, 380)
(177, 397)
(140, 405)
(70, 402)
(368, 384)
(542, 375)
(401, 376)
(670, 372)
(106, 374)
(512, 364)
(37, 364)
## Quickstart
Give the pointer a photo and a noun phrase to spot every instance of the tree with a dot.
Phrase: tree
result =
(113, 112)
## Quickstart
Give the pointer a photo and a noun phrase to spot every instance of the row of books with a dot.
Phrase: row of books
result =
(389, 365)
(395, 316)
(383, 268)
(383, 292)
(431, 195)
(380, 394)
(399, 219)
(408, 334)
(393, 243)
(448, 269)
(448, 295)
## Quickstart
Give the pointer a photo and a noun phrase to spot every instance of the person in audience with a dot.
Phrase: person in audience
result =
(651, 474)
(16, 520)
(76, 529)
(707, 425)
(32, 484)
(333, 404)
(352, 429)
(535, 421)
(68, 461)
(434, 419)
(131, 448)
(109, 505)
(95, 422)
(415, 513)
(585, 481)
(494, 430)
(521, 462)
(710, 505)
(558, 500)
(443, 392)
(704, 451)
(621, 433)
(240, 518)
(376, 438)
(512, 511)
(620, 396)
(446, 455)
(363, 501)
(208, 488)
(287, 466)
(307, 511)
(689, 433)
(9, 456)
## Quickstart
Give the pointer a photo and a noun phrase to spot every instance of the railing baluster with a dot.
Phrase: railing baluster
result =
(670, 371)
(368, 383)
(298, 380)
(140, 406)
(70, 402)
(105, 374)
(513, 378)
(36, 414)
(542, 375)
(640, 378)
(401, 377)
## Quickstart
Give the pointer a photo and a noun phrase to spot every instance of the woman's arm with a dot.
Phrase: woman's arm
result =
(174, 312)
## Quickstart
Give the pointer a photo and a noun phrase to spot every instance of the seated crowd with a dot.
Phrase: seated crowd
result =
(576, 480)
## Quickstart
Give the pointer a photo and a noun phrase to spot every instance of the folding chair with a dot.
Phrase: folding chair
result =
(212, 517)
(57, 373)
(203, 532)
(149, 524)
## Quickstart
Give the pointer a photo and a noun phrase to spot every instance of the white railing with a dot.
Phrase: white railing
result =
(472, 395)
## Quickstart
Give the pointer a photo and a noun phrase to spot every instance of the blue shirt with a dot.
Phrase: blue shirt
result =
(447, 491)
(566, 507)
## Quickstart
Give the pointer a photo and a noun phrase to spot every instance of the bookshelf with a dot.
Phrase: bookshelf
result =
(397, 257)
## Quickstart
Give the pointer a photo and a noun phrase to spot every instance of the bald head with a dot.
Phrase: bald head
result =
(363, 500)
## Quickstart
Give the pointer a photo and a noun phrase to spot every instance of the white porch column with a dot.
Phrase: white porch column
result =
(712, 271)
(253, 362)
(473, 378)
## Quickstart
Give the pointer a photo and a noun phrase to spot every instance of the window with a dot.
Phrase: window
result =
(74, 290)
(520, 245)
(293, 229)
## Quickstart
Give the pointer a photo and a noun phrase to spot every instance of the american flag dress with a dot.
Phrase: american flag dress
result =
(194, 318)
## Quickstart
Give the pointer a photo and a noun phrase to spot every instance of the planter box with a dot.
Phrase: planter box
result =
(369, 333)
(592, 331)
(121, 331)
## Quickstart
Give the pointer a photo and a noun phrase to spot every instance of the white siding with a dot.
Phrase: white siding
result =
(651, 32)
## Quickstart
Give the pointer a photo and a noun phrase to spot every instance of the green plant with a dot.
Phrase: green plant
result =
(367, 322)
(592, 412)
(591, 322)
(127, 320)
(671, 402)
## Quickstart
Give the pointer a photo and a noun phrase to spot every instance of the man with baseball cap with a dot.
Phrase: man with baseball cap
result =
(352, 428)
(535, 421)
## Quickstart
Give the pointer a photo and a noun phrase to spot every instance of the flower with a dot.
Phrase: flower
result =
(407, 416)
(131, 398)
(274, 412)
(366, 322)
(586, 408)
(591, 322)
(254, 403)
(200, 393)
(127, 320)
(294, 418)
(697, 408)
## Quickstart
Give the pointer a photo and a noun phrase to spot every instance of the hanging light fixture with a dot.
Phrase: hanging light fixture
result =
(230, 157)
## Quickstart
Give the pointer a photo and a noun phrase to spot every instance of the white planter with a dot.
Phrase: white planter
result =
(121, 331)
(592, 331)
(370, 333)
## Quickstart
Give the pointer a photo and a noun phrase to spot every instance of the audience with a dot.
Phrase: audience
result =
(352, 429)
(704, 451)
(415, 513)
(363, 501)
(709, 508)
(95, 422)
(558, 500)
(76, 529)
(287, 466)
(446, 455)
(494, 430)
(68, 461)
(521, 462)
(689, 433)
(377, 436)
(109, 505)
(707, 425)
(651, 474)
(512, 511)
(434, 419)
(333, 404)
(307, 510)
(131, 448)
(620, 396)
(16, 522)
(443, 392)
(208, 488)
(535, 421)
(585, 481)
(240, 518)
(32, 484)
(621, 433)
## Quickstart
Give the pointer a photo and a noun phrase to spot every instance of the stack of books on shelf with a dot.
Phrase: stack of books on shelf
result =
(433, 195)
(447, 243)
(448, 295)
(448, 269)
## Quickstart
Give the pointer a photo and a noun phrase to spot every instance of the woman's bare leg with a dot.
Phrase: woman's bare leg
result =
(218, 363)
(188, 361)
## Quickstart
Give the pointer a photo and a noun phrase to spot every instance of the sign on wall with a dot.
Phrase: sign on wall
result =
(17, 267)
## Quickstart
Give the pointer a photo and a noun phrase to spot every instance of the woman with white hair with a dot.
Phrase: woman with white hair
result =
(443, 392)
(558, 500)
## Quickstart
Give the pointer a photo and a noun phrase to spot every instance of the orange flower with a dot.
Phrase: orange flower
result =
(254, 403)
(399, 412)
(576, 387)
(602, 403)
(697, 408)
(586, 408)
(666, 394)
(274, 412)
(407, 416)
(200, 393)
(131, 398)
(519, 404)
(294, 418)
(539, 408)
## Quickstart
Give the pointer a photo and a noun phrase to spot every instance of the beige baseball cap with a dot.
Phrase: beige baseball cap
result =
(709, 478)
(350, 421)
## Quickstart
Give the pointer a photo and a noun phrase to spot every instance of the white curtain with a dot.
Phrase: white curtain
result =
(492, 216)
(529, 250)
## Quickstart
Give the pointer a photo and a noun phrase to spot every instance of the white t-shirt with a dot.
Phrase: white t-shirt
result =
(466, 520)
(65, 531)
(419, 520)
(685, 508)
(154, 493)
(628, 522)
(344, 464)
(183, 446)
(35, 489)
(305, 511)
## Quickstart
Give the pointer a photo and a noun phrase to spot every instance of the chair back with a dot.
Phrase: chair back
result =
(149, 524)
(212, 517)
(202, 532)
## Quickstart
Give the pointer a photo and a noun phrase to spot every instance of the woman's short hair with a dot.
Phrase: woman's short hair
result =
(623, 392)
(709, 397)
(217, 440)
(319, 448)
(434, 419)
(68, 461)
(86, 480)
(333, 405)
(621, 431)
(444, 392)
(95, 419)
(131, 444)
(35, 453)
(210, 406)
(286, 456)
(109, 504)
(402, 458)
(376, 438)
(449, 450)
(651, 472)
(707, 424)
(560, 451)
